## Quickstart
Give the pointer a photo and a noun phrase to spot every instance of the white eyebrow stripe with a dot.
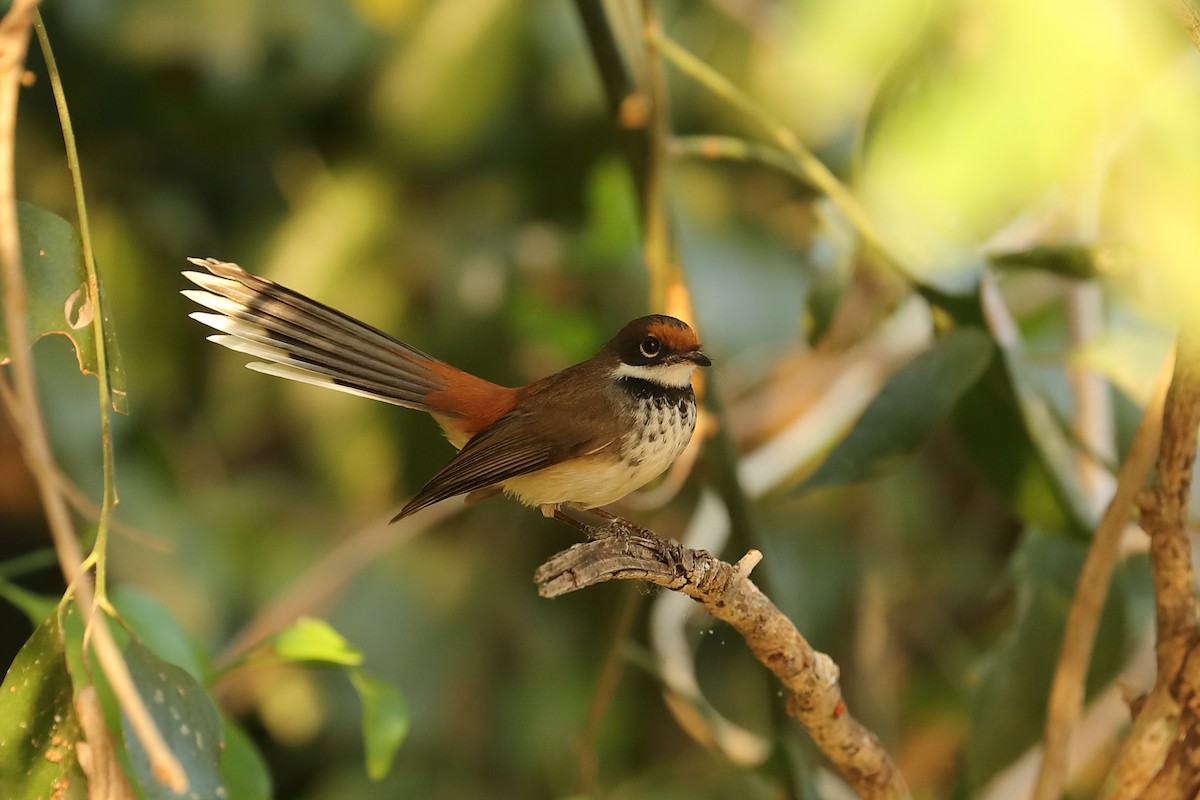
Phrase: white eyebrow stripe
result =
(675, 376)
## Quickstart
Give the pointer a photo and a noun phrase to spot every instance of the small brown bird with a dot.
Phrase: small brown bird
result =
(585, 436)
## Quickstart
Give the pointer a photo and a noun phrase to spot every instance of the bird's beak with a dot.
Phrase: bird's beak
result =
(699, 359)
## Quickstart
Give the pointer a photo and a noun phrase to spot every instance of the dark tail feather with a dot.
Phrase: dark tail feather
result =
(307, 341)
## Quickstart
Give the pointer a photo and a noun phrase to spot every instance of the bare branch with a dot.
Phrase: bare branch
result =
(1083, 619)
(624, 551)
(1164, 510)
(1161, 756)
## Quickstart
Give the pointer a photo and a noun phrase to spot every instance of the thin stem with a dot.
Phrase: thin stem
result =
(808, 165)
(659, 250)
(25, 407)
(731, 148)
(109, 496)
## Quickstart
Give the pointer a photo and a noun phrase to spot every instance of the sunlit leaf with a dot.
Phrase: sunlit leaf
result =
(908, 406)
(246, 774)
(57, 296)
(38, 725)
(311, 639)
(385, 722)
(187, 719)
(993, 105)
(1008, 709)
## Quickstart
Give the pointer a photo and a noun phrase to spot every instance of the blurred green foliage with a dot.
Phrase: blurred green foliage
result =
(447, 171)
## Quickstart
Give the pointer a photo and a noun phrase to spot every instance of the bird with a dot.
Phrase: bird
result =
(583, 437)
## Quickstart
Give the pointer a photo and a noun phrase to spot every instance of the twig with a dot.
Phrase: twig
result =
(1070, 675)
(731, 148)
(23, 395)
(623, 551)
(1161, 756)
(1164, 510)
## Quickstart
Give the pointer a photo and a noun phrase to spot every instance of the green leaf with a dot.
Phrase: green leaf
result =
(385, 722)
(27, 563)
(38, 726)
(311, 639)
(58, 301)
(993, 434)
(187, 718)
(908, 406)
(1009, 705)
(1068, 260)
(246, 774)
(1055, 446)
(1004, 439)
(34, 606)
(154, 625)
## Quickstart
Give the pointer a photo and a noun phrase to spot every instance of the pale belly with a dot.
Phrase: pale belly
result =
(614, 472)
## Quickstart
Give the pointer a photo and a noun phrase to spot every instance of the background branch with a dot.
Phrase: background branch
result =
(622, 551)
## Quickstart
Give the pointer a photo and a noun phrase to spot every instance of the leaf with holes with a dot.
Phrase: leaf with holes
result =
(188, 720)
(314, 640)
(57, 296)
(385, 722)
(38, 725)
(908, 406)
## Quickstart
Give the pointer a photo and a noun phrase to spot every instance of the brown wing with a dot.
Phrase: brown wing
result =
(511, 447)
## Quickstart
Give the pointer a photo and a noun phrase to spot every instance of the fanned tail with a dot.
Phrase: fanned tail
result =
(307, 341)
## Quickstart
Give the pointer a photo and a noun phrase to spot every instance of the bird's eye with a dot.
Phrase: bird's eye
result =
(651, 346)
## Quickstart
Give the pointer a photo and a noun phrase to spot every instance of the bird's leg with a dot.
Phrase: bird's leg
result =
(590, 531)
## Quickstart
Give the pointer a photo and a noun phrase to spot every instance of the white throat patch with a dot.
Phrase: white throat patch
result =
(675, 376)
